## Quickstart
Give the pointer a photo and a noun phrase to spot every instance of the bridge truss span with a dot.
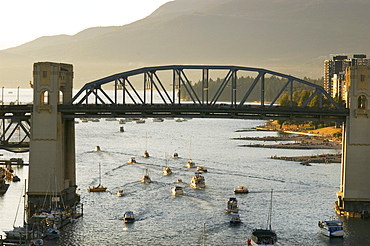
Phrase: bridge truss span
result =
(193, 91)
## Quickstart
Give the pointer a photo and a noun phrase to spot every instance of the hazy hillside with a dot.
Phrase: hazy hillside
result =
(289, 36)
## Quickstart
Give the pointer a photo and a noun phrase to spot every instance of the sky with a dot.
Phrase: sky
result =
(22, 21)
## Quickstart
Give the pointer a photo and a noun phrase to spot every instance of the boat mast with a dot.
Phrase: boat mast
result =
(190, 149)
(270, 213)
(99, 174)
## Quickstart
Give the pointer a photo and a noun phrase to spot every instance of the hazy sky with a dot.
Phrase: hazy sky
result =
(24, 20)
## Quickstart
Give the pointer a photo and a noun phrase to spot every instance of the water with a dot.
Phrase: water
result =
(302, 194)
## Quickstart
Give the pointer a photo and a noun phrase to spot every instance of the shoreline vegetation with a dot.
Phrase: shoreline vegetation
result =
(304, 138)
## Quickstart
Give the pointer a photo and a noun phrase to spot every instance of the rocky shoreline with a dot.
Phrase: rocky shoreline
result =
(302, 140)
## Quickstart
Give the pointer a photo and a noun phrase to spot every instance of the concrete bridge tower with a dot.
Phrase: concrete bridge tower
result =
(354, 193)
(52, 174)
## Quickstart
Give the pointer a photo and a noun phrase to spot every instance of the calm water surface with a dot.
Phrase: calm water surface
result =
(302, 195)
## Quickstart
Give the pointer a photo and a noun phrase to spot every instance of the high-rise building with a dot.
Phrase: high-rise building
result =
(334, 73)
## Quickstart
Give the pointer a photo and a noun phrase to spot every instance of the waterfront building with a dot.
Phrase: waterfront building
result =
(335, 73)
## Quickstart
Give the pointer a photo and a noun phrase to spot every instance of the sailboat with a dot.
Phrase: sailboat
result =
(146, 179)
(98, 188)
(266, 237)
(190, 163)
(19, 234)
(167, 170)
(146, 153)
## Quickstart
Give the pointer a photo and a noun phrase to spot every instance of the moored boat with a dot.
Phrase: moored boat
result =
(146, 154)
(177, 191)
(232, 205)
(241, 190)
(120, 193)
(129, 217)
(198, 181)
(3, 186)
(157, 119)
(175, 155)
(146, 179)
(132, 160)
(52, 233)
(140, 121)
(331, 228)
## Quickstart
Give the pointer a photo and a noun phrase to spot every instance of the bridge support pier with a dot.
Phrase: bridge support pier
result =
(354, 194)
(52, 174)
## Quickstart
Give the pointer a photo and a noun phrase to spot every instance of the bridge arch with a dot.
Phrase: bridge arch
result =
(152, 82)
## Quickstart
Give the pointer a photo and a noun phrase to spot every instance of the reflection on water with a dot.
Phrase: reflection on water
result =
(302, 195)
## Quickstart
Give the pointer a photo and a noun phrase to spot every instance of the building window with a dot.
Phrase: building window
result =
(362, 77)
(44, 97)
(44, 74)
(362, 102)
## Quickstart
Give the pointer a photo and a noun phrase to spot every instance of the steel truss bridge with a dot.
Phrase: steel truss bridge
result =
(145, 93)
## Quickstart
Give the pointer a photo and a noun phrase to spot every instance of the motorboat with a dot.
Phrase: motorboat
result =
(331, 228)
(128, 217)
(146, 179)
(198, 181)
(167, 170)
(175, 155)
(232, 205)
(98, 188)
(265, 237)
(97, 148)
(157, 119)
(241, 190)
(190, 164)
(16, 178)
(132, 160)
(235, 218)
(122, 121)
(177, 191)
(179, 181)
(120, 193)
(146, 154)
(202, 169)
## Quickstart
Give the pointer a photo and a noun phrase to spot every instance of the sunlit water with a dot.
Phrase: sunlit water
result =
(302, 195)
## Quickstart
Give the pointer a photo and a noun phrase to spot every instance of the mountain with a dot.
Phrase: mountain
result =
(288, 36)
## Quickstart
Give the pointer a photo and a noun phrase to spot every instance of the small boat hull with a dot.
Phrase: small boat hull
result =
(97, 189)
